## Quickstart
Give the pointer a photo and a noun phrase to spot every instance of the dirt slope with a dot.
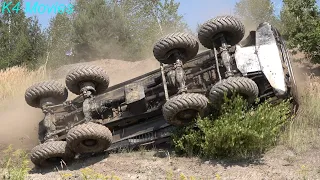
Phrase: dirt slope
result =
(118, 70)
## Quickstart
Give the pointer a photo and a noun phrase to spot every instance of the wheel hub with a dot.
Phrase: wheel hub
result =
(87, 87)
(90, 142)
(187, 115)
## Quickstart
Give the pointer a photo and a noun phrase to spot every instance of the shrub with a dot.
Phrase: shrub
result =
(239, 132)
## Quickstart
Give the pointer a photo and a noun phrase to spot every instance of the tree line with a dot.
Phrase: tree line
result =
(127, 29)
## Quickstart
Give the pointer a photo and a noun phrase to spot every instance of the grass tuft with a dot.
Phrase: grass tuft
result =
(14, 164)
(303, 133)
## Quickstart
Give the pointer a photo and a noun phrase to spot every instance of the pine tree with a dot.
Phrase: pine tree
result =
(17, 45)
(59, 40)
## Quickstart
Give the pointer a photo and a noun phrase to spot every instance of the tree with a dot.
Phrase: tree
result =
(37, 41)
(301, 26)
(254, 12)
(152, 19)
(122, 29)
(20, 38)
(97, 28)
(59, 40)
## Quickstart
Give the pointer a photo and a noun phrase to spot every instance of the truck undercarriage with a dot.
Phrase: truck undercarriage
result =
(147, 108)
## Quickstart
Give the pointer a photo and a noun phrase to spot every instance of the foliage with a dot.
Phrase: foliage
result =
(239, 132)
(59, 40)
(301, 26)
(121, 29)
(15, 164)
(254, 12)
(21, 38)
(97, 29)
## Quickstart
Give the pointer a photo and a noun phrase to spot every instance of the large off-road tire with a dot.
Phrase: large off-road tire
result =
(87, 73)
(53, 91)
(242, 86)
(89, 138)
(184, 108)
(183, 43)
(51, 153)
(231, 27)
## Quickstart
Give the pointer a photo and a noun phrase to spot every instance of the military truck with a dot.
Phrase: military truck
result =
(147, 108)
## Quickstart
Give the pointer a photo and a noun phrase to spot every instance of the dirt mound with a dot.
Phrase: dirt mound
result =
(118, 70)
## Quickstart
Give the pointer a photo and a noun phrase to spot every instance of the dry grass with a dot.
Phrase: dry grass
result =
(14, 81)
(303, 132)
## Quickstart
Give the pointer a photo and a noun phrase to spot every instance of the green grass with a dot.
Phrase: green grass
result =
(302, 134)
(14, 164)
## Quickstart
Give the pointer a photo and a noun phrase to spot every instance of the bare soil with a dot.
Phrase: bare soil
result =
(279, 163)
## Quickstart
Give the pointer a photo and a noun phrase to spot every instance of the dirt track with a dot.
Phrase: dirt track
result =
(118, 70)
(278, 164)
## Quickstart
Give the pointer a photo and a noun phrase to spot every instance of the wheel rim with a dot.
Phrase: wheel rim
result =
(89, 142)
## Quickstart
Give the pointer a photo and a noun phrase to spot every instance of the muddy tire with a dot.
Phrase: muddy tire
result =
(242, 86)
(89, 138)
(231, 27)
(183, 109)
(184, 43)
(51, 153)
(49, 89)
(87, 73)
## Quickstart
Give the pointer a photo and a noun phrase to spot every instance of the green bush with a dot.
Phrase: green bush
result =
(237, 133)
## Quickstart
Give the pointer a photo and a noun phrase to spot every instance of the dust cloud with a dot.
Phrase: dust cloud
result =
(19, 125)
(19, 121)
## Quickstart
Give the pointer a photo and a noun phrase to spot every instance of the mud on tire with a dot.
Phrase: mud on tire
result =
(48, 89)
(184, 43)
(51, 153)
(231, 27)
(89, 138)
(182, 109)
(87, 73)
(243, 86)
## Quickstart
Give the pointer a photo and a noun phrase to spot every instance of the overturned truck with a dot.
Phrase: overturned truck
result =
(147, 108)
